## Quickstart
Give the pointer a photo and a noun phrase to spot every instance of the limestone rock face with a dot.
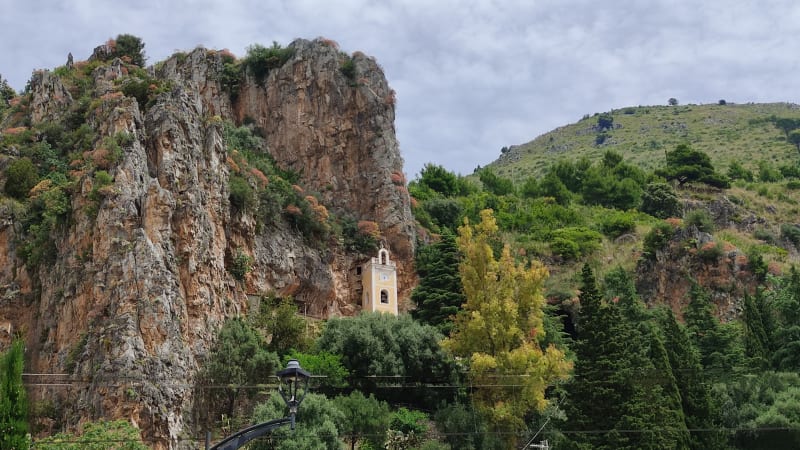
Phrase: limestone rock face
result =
(130, 300)
(338, 131)
(691, 257)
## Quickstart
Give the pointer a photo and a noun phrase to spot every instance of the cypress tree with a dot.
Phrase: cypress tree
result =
(439, 295)
(597, 394)
(13, 401)
(757, 342)
(624, 394)
(719, 345)
(787, 330)
(691, 382)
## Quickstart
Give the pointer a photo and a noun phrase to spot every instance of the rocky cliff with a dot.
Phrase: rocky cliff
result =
(123, 292)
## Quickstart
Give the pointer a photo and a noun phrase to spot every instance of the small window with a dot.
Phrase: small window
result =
(358, 270)
(384, 296)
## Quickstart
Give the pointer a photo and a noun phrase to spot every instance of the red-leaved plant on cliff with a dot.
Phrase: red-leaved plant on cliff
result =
(369, 228)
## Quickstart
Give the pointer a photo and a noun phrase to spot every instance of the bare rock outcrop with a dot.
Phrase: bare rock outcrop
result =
(128, 302)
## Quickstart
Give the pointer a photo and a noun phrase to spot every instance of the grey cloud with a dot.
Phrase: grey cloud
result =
(471, 77)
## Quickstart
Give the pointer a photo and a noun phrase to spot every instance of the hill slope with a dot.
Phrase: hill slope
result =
(642, 135)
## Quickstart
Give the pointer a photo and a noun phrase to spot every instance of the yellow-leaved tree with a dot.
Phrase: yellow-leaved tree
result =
(500, 327)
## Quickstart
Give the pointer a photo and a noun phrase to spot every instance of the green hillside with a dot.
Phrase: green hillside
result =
(642, 134)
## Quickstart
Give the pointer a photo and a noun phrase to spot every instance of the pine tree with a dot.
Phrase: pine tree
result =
(13, 401)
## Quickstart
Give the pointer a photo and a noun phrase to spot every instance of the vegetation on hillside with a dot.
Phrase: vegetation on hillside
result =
(528, 322)
(747, 133)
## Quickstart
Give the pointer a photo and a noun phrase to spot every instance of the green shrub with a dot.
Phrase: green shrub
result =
(791, 233)
(565, 248)
(241, 264)
(793, 185)
(790, 170)
(260, 60)
(700, 219)
(764, 235)
(710, 252)
(21, 176)
(738, 172)
(241, 194)
(123, 138)
(348, 68)
(768, 173)
(587, 241)
(657, 239)
(615, 223)
(231, 78)
(137, 89)
(757, 265)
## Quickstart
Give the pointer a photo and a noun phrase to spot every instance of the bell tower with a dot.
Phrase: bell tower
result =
(379, 280)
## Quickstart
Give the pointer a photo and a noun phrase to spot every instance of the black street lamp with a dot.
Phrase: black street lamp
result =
(293, 388)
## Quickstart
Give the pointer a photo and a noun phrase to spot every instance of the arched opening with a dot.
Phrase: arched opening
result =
(383, 256)
(384, 296)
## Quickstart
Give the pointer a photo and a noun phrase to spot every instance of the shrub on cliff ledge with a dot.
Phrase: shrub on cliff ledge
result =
(260, 60)
(130, 46)
(21, 176)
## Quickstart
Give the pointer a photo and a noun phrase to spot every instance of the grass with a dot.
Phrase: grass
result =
(643, 134)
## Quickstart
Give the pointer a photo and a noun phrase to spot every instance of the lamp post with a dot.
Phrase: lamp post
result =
(293, 387)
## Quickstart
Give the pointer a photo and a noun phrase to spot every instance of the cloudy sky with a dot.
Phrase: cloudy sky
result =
(471, 76)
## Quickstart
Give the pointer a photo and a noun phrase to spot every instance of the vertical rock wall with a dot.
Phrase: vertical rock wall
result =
(130, 302)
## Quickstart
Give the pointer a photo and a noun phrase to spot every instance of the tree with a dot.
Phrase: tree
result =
(685, 164)
(660, 200)
(599, 389)
(500, 327)
(719, 345)
(103, 435)
(605, 121)
(283, 327)
(786, 124)
(794, 138)
(762, 409)
(464, 428)
(130, 46)
(550, 186)
(692, 383)
(786, 330)
(378, 348)
(495, 184)
(365, 418)
(757, 334)
(438, 179)
(439, 295)
(238, 358)
(326, 365)
(623, 380)
(318, 424)
(13, 400)
(445, 212)
(406, 429)
(6, 94)
(672, 101)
